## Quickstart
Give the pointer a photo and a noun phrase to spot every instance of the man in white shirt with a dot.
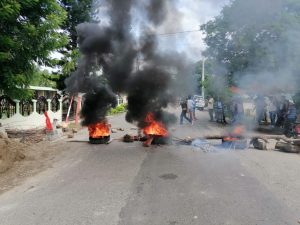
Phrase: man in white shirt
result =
(190, 106)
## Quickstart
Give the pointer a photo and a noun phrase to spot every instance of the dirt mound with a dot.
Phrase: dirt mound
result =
(10, 151)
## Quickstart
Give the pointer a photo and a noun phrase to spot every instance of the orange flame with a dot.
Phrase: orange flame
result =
(98, 130)
(154, 127)
(235, 135)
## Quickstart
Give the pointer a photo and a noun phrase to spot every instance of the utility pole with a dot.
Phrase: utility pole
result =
(203, 78)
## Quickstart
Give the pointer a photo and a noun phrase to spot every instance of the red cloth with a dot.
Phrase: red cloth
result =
(48, 122)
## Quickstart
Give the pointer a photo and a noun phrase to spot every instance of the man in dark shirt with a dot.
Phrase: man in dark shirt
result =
(183, 105)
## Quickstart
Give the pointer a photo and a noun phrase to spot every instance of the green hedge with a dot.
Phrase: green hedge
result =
(119, 109)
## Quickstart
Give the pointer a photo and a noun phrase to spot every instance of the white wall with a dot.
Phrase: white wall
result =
(34, 120)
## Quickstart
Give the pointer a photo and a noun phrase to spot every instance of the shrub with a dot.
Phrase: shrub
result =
(119, 109)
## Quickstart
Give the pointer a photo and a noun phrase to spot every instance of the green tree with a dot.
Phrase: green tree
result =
(215, 85)
(41, 78)
(29, 32)
(252, 37)
(78, 11)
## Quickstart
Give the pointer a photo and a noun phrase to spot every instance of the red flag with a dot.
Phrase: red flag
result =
(48, 123)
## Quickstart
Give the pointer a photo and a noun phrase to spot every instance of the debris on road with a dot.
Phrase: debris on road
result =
(74, 130)
(131, 138)
(258, 143)
(287, 147)
(149, 141)
(110, 141)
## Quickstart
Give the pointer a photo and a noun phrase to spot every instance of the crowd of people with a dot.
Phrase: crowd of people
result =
(188, 107)
(278, 111)
(217, 110)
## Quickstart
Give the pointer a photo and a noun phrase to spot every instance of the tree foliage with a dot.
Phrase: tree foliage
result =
(78, 11)
(41, 78)
(215, 86)
(256, 37)
(29, 32)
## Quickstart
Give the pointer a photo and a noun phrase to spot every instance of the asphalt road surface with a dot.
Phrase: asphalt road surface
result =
(127, 184)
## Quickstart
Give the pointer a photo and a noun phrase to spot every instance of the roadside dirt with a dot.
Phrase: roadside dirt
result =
(10, 152)
(19, 161)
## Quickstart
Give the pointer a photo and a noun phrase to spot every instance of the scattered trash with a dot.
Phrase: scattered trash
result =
(168, 176)
(258, 144)
(75, 130)
(110, 141)
(287, 147)
(203, 145)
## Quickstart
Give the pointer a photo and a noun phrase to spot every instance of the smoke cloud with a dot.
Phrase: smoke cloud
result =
(273, 26)
(114, 59)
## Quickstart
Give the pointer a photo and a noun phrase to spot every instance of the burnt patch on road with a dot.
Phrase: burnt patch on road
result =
(168, 176)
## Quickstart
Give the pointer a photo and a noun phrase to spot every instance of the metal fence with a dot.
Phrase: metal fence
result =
(7, 107)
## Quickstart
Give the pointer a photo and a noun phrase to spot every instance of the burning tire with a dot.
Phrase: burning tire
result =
(99, 133)
(101, 140)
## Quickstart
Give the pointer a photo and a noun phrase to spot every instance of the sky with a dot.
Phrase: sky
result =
(184, 15)
(193, 13)
(190, 15)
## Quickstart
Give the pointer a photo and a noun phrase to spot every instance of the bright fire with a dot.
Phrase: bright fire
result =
(154, 127)
(98, 130)
(235, 135)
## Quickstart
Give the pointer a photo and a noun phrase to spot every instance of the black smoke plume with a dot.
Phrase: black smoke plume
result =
(113, 50)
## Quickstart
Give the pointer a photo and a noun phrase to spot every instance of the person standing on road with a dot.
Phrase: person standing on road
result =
(194, 109)
(190, 105)
(272, 110)
(210, 107)
(183, 105)
(290, 116)
(260, 106)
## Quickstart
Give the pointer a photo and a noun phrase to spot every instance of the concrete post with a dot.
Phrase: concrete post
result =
(60, 109)
(17, 106)
(34, 105)
(49, 104)
(60, 104)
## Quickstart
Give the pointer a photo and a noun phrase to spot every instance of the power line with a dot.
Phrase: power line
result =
(178, 32)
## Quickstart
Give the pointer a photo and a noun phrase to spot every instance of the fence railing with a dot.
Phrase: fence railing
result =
(7, 107)
(29, 113)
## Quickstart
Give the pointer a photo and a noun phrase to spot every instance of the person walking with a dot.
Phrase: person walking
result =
(183, 105)
(210, 106)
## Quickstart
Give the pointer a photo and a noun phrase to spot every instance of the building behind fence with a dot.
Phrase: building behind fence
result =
(29, 114)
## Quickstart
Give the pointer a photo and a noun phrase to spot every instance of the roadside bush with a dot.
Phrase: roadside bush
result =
(119, 109)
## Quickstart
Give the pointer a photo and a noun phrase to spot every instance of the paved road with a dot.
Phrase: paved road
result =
(126, 184)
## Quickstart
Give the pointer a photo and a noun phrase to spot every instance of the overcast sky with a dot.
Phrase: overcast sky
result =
(193, 13)
(184, 15)
(187, 15)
